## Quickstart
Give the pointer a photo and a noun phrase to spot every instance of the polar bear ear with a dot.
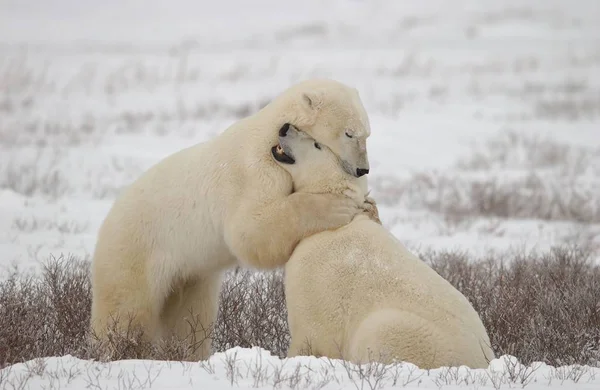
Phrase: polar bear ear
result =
(312, 100)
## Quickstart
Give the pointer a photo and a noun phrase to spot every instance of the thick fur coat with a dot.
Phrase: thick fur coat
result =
(167, 240)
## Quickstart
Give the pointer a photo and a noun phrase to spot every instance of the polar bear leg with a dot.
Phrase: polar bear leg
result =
(190, 313)
(136, 316)
(119, 307)
(389, 334)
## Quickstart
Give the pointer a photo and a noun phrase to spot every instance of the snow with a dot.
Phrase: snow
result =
(93, 93)
(255, 368)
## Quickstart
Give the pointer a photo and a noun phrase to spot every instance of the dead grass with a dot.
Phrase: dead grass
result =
(459, 197)
(513, 149)
(38, 175)
(45, 315)
(514, 175)
(541, 307)
(131, 122)
(569, 109)
(32, 96)
(32, 224)
(22, 128)
(252, 312)
(46, 172)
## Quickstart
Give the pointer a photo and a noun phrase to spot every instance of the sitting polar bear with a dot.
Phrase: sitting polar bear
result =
(357, 293)
(168, 238)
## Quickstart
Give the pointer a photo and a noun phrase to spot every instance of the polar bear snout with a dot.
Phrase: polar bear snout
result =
(290, 131)
(361, 172)
(284, 129)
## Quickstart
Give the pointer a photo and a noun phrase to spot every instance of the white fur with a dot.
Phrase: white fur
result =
(357, 293)
(164, 245)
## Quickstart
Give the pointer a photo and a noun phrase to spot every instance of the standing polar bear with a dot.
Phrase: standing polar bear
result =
(358, 293)
(167, 240)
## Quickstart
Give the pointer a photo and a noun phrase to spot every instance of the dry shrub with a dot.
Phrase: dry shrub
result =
(538, 307)
(39, 174)
(48, 315)
(568, 108)
(252, 312)
(45, 315)
(460, 197)
(132, 344)
(512, 149)
(514, 175)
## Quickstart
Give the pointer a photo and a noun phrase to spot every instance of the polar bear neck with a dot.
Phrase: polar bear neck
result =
(332, 183)
(285, 109)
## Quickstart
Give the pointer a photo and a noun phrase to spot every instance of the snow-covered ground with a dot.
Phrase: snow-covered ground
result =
(256, 369)
(485, 115)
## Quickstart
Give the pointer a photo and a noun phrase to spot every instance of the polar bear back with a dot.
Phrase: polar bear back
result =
(348, 275)
(165, 213)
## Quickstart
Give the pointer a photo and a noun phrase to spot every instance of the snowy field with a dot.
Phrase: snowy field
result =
(256, 369)
(485, 124)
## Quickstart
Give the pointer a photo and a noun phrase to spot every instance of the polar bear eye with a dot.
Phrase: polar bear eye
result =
(349, 135)
(317, 145)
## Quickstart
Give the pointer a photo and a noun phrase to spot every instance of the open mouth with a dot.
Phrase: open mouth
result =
(280, 155)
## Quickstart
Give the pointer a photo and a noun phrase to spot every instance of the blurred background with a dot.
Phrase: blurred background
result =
(485, 116)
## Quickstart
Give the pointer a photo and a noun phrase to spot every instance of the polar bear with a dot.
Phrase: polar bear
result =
(357, 293)
(163, 247)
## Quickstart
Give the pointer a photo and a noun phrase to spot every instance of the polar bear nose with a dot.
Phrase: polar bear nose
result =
(360, 172)
(284, 129)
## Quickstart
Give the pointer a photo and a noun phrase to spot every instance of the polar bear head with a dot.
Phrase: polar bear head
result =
(314, 167)
(332, 113)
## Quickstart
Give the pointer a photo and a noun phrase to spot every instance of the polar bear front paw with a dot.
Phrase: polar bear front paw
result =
(333, 210)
